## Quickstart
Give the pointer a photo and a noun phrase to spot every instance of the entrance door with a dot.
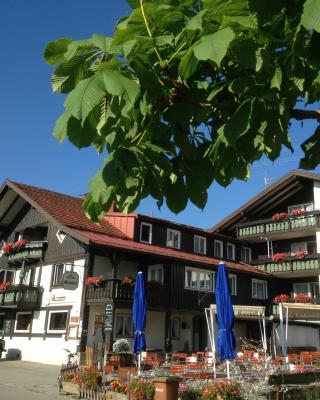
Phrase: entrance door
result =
(200, 333)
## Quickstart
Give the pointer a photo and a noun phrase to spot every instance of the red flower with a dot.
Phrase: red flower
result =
(300, 254)
(279, 257)
(93, 280)
(8, 248)
(297, 212)
(4, 286)
(279, 216)
(20, 244)
(302, 298)
(281, 298)
(128, 280)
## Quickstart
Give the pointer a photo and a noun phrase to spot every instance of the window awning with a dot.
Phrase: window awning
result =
(245, 311)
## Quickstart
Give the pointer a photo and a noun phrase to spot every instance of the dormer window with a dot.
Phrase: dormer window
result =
(145, 233)
(173, 238)
(200, 243)
(304, 207)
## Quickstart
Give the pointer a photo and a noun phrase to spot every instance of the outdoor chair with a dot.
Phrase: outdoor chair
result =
(306, 360)
(315, 357)
(293, 358)
(296, 368)
(178, 369)
(191, 360)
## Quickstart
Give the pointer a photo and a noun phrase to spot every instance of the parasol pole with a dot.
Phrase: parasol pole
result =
(213, 345)
(228, 369)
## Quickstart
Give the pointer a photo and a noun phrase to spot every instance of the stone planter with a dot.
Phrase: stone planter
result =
(70, 388)
(166, 387)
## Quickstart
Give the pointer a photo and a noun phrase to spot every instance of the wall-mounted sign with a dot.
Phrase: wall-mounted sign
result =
(108, 322)
(70, 280)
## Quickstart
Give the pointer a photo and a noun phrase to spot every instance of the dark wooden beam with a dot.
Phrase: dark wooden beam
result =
(9, 208)
(283, 197)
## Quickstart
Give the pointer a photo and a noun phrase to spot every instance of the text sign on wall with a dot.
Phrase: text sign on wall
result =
(108, 322)
(70, 280)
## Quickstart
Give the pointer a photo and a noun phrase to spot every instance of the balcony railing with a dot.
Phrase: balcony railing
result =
(156, 296)
(291, 264)
(31, 252)
(269, 227)
(21, 296)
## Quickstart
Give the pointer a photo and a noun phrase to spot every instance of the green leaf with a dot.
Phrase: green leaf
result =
(188, 65)
(214, 47)
(176, 194)
(54, 51)
(80, 136)
(239, 123)
(277, 78)
(78, 45)
(100, 192)
(102, 42)
(195, 22)
(311, 15)
(60, 129)
(118, 85)
(87, 95)
(311, 148)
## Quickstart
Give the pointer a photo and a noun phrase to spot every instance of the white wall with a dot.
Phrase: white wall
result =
(185, 334)
(316, 195)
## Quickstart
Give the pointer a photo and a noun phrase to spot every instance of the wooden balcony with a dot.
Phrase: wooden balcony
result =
(156, 296)
(290, 265)
(269, 228)
(21, 297)
(33, 251)
(311, 311)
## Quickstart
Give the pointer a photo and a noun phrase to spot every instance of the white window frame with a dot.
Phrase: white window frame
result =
(204, 244)
(49, 319)
(16, 322)
(155, 267)
(125, 315)
(295, 292)
(198, 271)
(233, 251)
(304, 247)
(221, 248)
(5, 274)
(2, 330)
(233, 287)
(265, 283)
(67, 266)
(302, 206)
(244, 248)
(150, 232)
(179, 238)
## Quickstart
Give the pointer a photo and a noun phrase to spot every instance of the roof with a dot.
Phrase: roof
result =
(63, 209)
(284, 186)
(165, 252)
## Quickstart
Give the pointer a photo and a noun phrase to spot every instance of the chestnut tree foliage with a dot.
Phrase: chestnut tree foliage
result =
(188, 92)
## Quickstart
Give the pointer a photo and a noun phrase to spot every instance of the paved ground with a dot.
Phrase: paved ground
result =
(22, 380)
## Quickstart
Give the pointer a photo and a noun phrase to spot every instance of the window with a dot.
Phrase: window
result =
(302, 288)
(245, 254)
(175, 328)
(173, 238)
(218, 248)
(58, 271)
(197, 279)
(23, 322)
(305, 207)
(231, 250)
(57, 321)
(155, 273)
(259, 289)
(233, 284)
(2, 316)
(301, 246)
(124, 325)
(6, 275)
(145, 232)
(200, 244)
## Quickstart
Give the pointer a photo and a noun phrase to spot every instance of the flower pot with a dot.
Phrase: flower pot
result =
(123, 373)
(166, 387)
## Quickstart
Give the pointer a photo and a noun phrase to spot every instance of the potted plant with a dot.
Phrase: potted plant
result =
(140, 389)
(223, 390)
(121, 348)
(297, 212)
(301, 255)
(119, 390)
(281, 298)
(95, 281)
(129, 281)
(302, 298)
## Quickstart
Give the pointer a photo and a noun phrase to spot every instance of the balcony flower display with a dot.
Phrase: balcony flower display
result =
(281, 298)
(297, 212)
(121, 346)
(279, 257)
(302, 298)
(128, 280)
(300, 254)
(86, 377)
(222, 390)
(10, 248)
(4, 286)
(279, 216)
(94, 281)
(155, 284)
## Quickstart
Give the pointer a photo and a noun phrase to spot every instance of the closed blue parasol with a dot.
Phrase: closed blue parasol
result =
(225, 316)
(139, 314)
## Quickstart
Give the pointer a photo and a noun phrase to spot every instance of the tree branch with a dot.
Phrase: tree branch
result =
(305, 114)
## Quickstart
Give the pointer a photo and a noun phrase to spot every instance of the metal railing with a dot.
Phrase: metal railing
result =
(291, 264)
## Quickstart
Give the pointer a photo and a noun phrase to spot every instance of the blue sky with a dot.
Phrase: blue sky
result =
(29, 109)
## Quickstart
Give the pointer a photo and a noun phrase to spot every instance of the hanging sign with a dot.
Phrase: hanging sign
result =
(108, 321)
(70, 280)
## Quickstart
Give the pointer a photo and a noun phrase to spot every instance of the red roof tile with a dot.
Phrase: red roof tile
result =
(66, 210)
(166, 252)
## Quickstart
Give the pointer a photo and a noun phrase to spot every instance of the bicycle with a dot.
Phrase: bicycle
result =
(71, 364)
